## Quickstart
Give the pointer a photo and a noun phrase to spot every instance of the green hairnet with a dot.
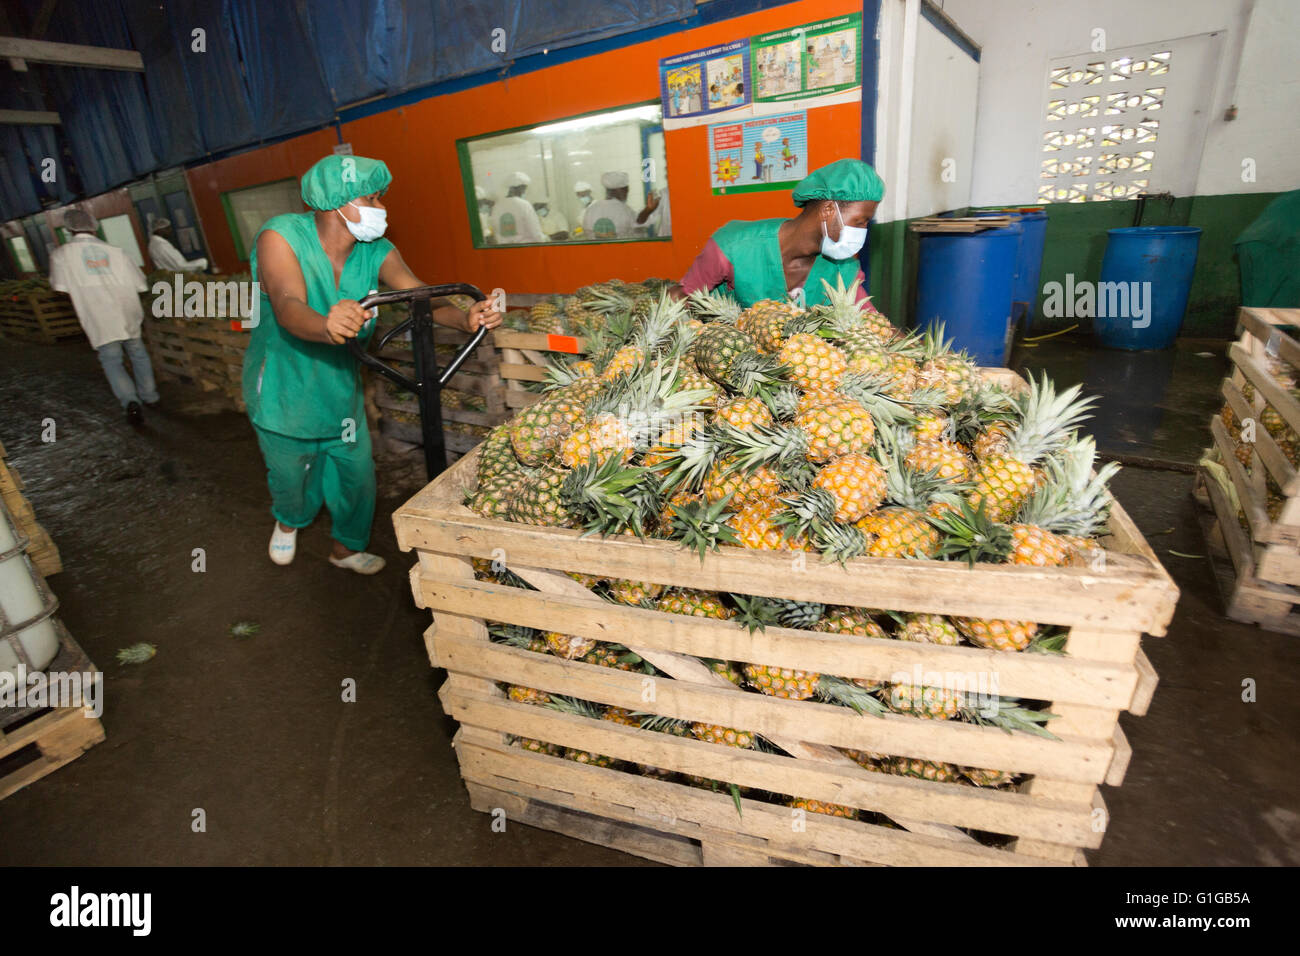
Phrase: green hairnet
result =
(845, 180)
(337, 180)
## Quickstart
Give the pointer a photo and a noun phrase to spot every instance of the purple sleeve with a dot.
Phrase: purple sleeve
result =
(710, 269)
(862, 292)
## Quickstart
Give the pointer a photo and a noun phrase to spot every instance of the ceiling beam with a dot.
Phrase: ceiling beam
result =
(71, 54)
(29, 118)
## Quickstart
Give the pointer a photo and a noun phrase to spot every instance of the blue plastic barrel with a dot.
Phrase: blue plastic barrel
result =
(1029, 258)
(1146, 275)
(966, 282)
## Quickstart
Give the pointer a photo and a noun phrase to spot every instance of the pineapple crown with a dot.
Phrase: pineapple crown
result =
(869, 391)
(713, 305)
(837, 690)
(1071, 500)
(515, 635)
(753, 374)
(845, 311)
(574, 705)
(908, 486)
(594, 492)
(971, 534)
(1046, 419)
(701, 526)
(782, 401)
(755, 613)
(780, 445)
(986, 404)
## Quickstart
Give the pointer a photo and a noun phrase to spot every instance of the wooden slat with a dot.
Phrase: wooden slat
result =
(1033, 676)
(957, 804)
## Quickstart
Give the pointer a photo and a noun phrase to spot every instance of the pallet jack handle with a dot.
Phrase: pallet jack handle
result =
(428, 382)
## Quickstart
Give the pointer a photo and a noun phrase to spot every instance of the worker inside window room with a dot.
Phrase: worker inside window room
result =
(779, 258)
(105, 287)
(611, 217)
(513, 218)
(301, 384)
(485, 205)
(164, 254)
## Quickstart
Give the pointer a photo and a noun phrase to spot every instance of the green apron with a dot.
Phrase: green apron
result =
(754, 251)
(306, 389)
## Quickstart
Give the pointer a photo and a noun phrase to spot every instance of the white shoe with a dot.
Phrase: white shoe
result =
(284, 545)
(361, 562)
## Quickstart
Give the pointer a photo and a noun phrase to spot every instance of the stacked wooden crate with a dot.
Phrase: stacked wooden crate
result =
(472, 403)
(41, 548)
(1253, 501)
(38, 315)
(509, 750)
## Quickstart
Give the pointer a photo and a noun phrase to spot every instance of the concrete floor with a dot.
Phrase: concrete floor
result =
(254, 732)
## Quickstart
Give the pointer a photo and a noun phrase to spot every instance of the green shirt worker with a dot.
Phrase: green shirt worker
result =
(777, 258)
(301, 384)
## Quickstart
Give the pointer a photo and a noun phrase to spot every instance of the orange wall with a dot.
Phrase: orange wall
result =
(428, 219)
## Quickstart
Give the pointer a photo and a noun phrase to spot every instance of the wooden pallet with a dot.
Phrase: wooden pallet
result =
(1274, 542)
(41, 547)
(524, 357)
(1246, 596)
(1049, 818)
(35, 742)
(46, 317)
(959, 223)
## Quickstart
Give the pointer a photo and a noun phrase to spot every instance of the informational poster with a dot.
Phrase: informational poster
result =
(705, 81)
(812, 60)
(752, 155)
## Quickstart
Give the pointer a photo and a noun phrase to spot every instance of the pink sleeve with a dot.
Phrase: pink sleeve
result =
(710, 269)
(862, 292)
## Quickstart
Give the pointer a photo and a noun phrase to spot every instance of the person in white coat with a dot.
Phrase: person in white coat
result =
(105, 287)
(166, 256)
(611, 217)
(514, 219)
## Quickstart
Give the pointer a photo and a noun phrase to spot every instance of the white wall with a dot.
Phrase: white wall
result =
(1018, 37)
(926, 113)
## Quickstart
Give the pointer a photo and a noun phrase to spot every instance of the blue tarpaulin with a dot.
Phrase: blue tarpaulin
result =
(223, 74)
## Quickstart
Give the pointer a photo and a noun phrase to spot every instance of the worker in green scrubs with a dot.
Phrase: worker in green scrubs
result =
(301, 384)
(781, 258)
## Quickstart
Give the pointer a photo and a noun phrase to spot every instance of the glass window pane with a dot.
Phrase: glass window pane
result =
(118, 232)
(596, 178)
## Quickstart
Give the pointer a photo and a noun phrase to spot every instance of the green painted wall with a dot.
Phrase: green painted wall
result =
(1076, 240)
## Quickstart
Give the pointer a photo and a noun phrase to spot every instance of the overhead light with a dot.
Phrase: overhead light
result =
(644, 113)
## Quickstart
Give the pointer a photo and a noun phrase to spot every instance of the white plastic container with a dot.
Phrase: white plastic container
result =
(21, 600)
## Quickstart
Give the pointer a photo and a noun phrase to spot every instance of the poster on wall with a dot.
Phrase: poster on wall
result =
(816, 59)
(705, 81)
(753, 155)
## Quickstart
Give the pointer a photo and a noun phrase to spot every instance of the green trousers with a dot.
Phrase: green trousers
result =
(305, 473)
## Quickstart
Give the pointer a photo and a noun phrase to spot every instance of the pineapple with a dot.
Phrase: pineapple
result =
(634, 593)
(726, 480)
(599, 439)
(841, 427)
(612, 655)
(621, 715)
(527, 695)
(997, 635)
(855, 483)
(830, 809)
(568, 646)
(726, 669)
(782, 681)
(903, 530)
(946, 458)
(539, 746)
(538, 500)
(1003, 481)
(1071, 506)
(770, 323)
(718, 347)
(755, 526)
(546, 318)
(537, 431)
(932, 703)
(924, 769)
(744, 413)
(987, 778)
(952, 373)
(714, 734)
(495, 493)
(497, 455)
(928, 629)
(813, 363)
(694, 604)
(593, 760)
(849, 620)
(851, 323)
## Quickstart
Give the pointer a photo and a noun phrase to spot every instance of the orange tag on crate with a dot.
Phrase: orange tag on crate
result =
(562, 343)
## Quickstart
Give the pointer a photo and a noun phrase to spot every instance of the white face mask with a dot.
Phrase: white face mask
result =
(372, 225)
(847, 245)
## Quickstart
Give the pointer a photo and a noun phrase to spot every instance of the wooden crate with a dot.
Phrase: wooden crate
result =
(1270, 553)
(1055, 812)
(523, 360)
(46, 317)
(35, 742)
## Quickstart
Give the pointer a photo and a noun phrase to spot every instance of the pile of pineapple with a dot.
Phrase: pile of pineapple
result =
(1287, 441)
(777, 428)
(587, 310)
